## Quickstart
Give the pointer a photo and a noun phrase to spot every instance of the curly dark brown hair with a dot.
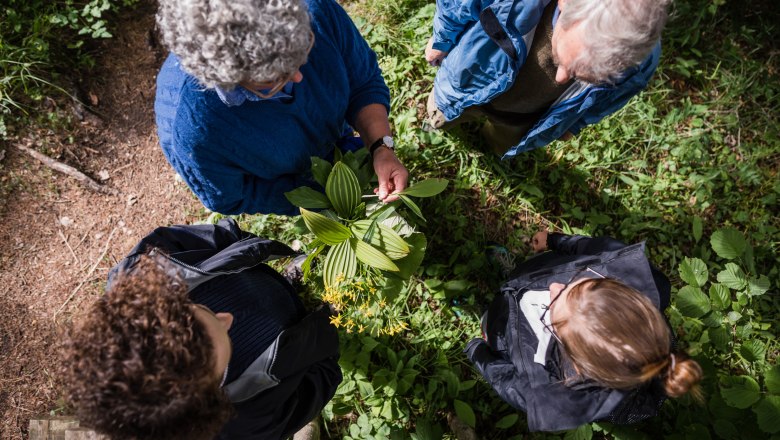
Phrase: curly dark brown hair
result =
(140, 365)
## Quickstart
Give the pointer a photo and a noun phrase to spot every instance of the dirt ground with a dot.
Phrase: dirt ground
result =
(58, 239)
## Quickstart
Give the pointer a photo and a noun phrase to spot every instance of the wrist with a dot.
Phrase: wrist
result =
(384, 143)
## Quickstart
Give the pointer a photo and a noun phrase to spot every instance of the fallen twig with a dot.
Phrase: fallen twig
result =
(89, 274)
(62, 236)
(69, 170)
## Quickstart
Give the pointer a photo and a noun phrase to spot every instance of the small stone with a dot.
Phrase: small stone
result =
(103, 175)
(131, 200)
(66, 221)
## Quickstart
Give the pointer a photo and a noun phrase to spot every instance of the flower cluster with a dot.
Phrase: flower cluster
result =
(361, 308)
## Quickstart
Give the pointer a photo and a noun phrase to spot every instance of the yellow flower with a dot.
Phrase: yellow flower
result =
(335, 320)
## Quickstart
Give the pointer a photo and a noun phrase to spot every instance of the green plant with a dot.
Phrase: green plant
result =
(370, 250)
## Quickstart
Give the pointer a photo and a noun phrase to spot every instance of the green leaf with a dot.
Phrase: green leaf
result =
(739, 391)
(465, 413)
(772, 380)
(411, 205)
(426, 188)
(697, 228)
(720, 296)
(507, 421)
(719, 337)
(693, 271)
(320, 169)
(383, 238)
(305, 197)
(753, 350)
(306, 266)
(758, 287)
(329, 231)
(726, 430)
(691, 301)
(583, 432)
(768, 412)
(372, 256)
(343, 189)
(732, 277)
(408, 265)
(340, 263)
(728, 243)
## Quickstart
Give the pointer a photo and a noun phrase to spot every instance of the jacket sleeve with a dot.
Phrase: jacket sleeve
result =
(631, 87)
(499, 373)
(451, 19)
(365, 77)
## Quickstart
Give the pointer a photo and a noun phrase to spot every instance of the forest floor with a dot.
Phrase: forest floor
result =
(58, 239)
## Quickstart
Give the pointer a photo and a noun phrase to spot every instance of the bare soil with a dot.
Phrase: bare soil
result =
(58, 239)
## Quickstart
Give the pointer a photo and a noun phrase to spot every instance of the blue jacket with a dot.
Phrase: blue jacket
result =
(476, 70)
(244, 158)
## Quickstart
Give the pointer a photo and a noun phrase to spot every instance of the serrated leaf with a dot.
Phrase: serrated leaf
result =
(697, 227)
(305, 197)
(719, 338)
(320, 169)
(507, 421)
(728, 243)
(465, 413)
(411, 205)
(691, 301)
(583, 432)
(329, 231)
(340, 264)
(720, 297)
(768, 412)
(693, 271)
(383, 238)
(732, 277)
(772, 380)
(740, 391)
(426, 188)
(343, 189)
(372, 256)
(759, 286)
(753, 350)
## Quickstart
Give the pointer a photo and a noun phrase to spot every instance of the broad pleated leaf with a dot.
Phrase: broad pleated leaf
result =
(732, 277)
(372, 256)
(340, 261)
(329, 231)
(383, 238)
(343, 190)
(740, 392)
(411, 205)
(728, 243)
(691, 301)
(753, 350)
(693, 271)
(305, 197)
(320, 169)
(426, 188)
(408, 265)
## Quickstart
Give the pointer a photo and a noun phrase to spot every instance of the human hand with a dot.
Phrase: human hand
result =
(392, 175)
(433, 56)
(539, 241)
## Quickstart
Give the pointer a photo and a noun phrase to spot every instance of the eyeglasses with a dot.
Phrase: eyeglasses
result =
(582, 274)
(276, 88)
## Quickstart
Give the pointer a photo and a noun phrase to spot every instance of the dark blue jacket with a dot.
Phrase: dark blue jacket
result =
(506, 358)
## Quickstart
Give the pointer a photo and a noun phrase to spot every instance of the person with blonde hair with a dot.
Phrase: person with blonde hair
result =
(578, 336)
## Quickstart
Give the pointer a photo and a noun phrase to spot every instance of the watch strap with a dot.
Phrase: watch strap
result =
(378, 143)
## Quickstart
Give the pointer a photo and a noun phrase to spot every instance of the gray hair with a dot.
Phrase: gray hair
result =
(620, 34)
(224, 42)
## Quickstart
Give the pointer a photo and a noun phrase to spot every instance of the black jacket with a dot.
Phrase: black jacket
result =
(289, 383)
(506, 359)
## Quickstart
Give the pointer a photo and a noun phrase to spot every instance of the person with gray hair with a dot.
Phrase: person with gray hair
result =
(539, 70)
(253, 89)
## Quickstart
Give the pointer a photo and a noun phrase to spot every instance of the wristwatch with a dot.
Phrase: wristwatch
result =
(384, 141)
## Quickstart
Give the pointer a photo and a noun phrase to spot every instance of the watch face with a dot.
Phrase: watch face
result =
(387, 140)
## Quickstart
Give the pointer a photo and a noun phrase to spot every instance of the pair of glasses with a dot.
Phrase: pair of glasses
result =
(583, 274)
(279, 85)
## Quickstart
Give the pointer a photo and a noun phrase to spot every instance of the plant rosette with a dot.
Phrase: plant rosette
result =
(368, 249)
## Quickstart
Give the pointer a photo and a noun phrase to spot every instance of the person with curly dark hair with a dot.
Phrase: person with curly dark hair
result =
(196, 338)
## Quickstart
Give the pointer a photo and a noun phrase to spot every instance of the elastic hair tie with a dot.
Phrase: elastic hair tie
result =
(674, 361)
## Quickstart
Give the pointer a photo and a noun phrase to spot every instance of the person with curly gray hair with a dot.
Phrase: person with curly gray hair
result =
(539, 70)
(252, 90)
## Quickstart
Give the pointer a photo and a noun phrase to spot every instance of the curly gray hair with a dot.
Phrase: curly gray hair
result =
(620, 34)
(225, 42)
